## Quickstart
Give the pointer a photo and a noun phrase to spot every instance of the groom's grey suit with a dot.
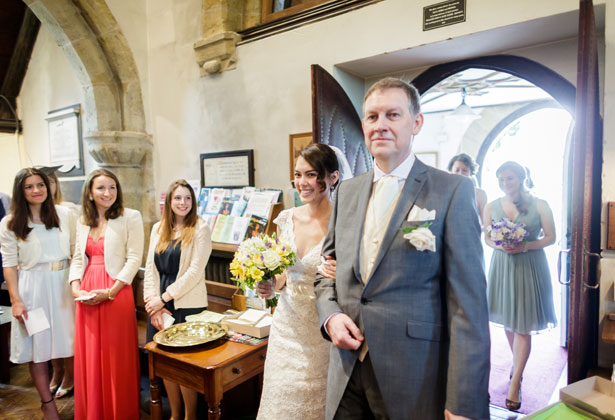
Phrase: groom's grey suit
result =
(423, 314)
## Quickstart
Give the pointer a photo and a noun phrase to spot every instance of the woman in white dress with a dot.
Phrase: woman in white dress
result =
(37, 237)
(295, 378)
(62, 368)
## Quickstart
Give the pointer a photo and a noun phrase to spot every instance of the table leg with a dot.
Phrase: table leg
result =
(155, 405)
(214, 412)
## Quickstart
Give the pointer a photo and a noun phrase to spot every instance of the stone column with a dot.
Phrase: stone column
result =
(128, 154)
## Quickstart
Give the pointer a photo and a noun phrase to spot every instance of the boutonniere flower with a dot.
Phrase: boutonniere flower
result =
(421, 237)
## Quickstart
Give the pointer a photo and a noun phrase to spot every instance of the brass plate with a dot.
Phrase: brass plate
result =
(189, 334)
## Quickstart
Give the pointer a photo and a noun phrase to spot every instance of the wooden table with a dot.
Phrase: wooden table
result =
(211, 369)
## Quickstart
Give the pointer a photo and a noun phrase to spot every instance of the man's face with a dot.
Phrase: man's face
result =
(389, 127)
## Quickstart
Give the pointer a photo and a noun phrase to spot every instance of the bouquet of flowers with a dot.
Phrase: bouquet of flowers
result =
(507, 233)
(259, 259)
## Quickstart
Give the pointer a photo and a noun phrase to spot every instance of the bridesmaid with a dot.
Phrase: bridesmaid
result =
(179, 248)
(106, 344)
(37, 237)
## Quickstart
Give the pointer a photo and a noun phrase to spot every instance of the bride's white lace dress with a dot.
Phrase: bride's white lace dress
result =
(295, 378)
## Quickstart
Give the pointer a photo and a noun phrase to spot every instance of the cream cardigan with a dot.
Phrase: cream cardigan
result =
(189, 289)
(25, 254)
(123, 247)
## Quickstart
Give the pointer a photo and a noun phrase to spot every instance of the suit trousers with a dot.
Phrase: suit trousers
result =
(362, 398)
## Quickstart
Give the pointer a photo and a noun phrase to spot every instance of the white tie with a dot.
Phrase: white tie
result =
(386, 191)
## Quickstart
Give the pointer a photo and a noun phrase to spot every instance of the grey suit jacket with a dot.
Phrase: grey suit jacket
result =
(423, 314)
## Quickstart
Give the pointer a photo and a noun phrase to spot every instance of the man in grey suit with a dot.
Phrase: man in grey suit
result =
(407, 312)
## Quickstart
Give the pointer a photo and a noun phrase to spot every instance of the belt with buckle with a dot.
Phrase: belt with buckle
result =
(50, 266)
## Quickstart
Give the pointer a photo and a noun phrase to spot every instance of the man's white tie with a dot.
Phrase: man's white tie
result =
(386, 191)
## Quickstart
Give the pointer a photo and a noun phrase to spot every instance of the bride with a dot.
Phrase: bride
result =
(295, 378)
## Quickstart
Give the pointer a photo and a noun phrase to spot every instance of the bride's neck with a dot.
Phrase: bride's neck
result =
(320, 208)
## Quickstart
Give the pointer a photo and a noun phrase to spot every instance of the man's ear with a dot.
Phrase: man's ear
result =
(418, 124)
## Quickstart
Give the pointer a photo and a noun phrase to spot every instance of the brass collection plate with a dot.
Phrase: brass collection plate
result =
(189, 334)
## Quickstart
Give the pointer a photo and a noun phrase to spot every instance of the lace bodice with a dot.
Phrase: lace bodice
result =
(299, 277)
(295, 378)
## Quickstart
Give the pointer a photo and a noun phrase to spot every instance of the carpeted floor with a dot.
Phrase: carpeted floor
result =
(543, 370)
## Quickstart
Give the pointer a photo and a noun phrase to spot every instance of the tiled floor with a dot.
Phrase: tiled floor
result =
(20, 401)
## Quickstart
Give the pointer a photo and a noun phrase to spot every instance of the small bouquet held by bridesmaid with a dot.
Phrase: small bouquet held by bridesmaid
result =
(507, 233)
(259, 259)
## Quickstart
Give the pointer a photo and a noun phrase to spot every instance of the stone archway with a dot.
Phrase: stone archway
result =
(114, 117)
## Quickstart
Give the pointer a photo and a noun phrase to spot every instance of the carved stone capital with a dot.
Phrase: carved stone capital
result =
(118, 149)
(217, 53)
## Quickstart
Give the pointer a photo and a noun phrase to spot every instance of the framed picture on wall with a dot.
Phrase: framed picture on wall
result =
(233, 169)
(297, 143)
(428, 158)
(65, 140)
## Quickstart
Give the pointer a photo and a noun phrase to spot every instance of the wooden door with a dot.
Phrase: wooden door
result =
(335, 121)
(586, 199)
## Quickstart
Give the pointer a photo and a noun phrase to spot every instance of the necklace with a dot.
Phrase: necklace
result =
(36, 219)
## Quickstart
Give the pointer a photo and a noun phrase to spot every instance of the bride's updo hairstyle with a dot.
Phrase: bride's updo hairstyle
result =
(323, 160)
(523, 174)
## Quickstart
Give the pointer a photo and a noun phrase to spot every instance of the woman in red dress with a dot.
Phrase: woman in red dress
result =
(106, 346)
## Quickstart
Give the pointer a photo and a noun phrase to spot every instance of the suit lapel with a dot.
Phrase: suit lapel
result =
(410, 191)
(364, 194)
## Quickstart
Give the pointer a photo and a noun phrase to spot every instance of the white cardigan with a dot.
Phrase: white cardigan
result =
(189, 289)
(25, 254)
(123, 247)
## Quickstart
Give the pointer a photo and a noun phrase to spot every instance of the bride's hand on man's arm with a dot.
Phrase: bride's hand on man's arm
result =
(328, 267)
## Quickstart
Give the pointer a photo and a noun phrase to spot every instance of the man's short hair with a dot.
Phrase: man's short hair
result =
(414, 99)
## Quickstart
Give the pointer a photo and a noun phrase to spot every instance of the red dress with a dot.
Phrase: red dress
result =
(106, 348)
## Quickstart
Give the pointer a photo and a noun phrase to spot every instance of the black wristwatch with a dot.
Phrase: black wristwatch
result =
(162, 299)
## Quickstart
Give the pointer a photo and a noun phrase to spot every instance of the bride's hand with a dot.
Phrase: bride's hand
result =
(265, 289)
(328, 267)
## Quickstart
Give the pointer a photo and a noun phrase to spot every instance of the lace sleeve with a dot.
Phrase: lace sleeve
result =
(283, 220)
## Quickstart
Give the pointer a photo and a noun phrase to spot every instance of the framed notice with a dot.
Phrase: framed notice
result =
(428, 158)
(298, 142)
(65, 140)
(233, 169)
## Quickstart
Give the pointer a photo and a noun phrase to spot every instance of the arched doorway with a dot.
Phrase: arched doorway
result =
(495, 147)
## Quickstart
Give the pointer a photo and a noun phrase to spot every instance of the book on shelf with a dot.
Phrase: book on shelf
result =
(256, 226)
(163, 195)
(259, 204)
(202, 200)
(216, 234)
(215, 201)
(210, 219)
(195, 184)
(239, 207)
(226, 207)
(240, 227)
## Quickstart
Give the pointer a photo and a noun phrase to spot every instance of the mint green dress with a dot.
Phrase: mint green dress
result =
(519, 291)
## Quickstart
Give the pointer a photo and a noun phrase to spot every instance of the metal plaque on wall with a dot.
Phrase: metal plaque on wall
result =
(444, 14)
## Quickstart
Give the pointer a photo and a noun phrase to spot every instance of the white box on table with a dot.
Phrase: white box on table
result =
(595, 395)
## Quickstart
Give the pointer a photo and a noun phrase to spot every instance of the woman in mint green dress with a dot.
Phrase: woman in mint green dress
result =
(519, 292)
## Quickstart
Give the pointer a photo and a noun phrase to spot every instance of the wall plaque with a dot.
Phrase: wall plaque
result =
(65, 140)
(233, 169)
(444, 14)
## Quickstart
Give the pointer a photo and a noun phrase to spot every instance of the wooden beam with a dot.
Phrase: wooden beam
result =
(11, 85)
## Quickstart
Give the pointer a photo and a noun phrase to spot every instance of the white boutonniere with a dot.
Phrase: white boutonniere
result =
(421, 237)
